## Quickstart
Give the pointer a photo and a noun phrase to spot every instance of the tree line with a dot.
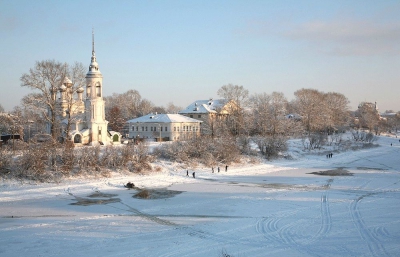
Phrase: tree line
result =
(261, 119)
(260, 114)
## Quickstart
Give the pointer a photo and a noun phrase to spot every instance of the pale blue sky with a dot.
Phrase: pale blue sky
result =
(181, 51)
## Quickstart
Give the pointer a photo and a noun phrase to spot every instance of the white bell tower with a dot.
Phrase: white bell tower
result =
(94, 104)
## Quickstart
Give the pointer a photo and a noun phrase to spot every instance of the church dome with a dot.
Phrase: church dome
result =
(63, 88)
(67, 81)
(80, 90)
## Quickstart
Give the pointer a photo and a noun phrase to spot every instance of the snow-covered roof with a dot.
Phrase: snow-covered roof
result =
(162, 118)
(205, 106)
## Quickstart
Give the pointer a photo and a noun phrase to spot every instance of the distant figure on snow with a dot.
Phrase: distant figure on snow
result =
(187, 173)
(218, 168)
(194, 176)
(226, 168)
(212, 168)
(331, 155)
(391, 144)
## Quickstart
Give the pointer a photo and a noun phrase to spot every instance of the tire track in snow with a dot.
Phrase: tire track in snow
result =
(211, 240)
(326, 220)
(376, 248)
(286, 234)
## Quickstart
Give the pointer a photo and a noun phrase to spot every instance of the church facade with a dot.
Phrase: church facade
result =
(83, 120)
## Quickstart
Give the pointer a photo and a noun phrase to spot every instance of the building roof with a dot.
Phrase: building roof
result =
(205, 106)
(162, 118)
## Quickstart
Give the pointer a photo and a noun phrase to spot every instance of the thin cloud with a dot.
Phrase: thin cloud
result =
(348, 37)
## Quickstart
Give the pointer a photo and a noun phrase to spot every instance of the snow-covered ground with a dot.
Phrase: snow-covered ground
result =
(271, 209)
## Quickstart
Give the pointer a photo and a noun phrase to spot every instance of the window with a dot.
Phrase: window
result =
(151, 128)
(161, 128)
(165, 128)
(174, 128)
(142, 128)
(146, 128)
(98, 89)
(137, 128)
(178, 129)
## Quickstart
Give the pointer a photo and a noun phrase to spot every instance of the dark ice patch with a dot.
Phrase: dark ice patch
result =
(336, 172)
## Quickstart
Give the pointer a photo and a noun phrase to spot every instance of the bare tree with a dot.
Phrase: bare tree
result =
(36, 122)
(240, 96)
(130, 104)
(73, 106)
(145, 107)
(171, 108)
(11, 123)
(46, 78)
(337, 110)
(116, 121)
(368, 116)
(158, 109)
(310, 105)
(269, 113)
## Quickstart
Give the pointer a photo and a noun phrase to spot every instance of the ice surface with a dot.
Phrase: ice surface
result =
(271, 209)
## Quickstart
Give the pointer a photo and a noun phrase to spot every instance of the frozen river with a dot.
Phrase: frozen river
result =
(274, 209)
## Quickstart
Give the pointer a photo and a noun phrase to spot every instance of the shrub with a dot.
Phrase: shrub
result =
(203, 149)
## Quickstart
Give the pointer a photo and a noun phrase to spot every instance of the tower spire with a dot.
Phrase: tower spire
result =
(94, 67)
(93, 53)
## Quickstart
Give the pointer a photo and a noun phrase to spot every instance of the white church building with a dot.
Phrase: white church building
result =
(83, 120)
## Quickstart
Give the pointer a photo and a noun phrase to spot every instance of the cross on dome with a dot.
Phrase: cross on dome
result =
(94, 67)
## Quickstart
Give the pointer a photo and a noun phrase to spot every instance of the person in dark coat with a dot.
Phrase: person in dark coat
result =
(194, 175)
(187, 173)
(226, 168)
(218, 168)
(212, 168)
